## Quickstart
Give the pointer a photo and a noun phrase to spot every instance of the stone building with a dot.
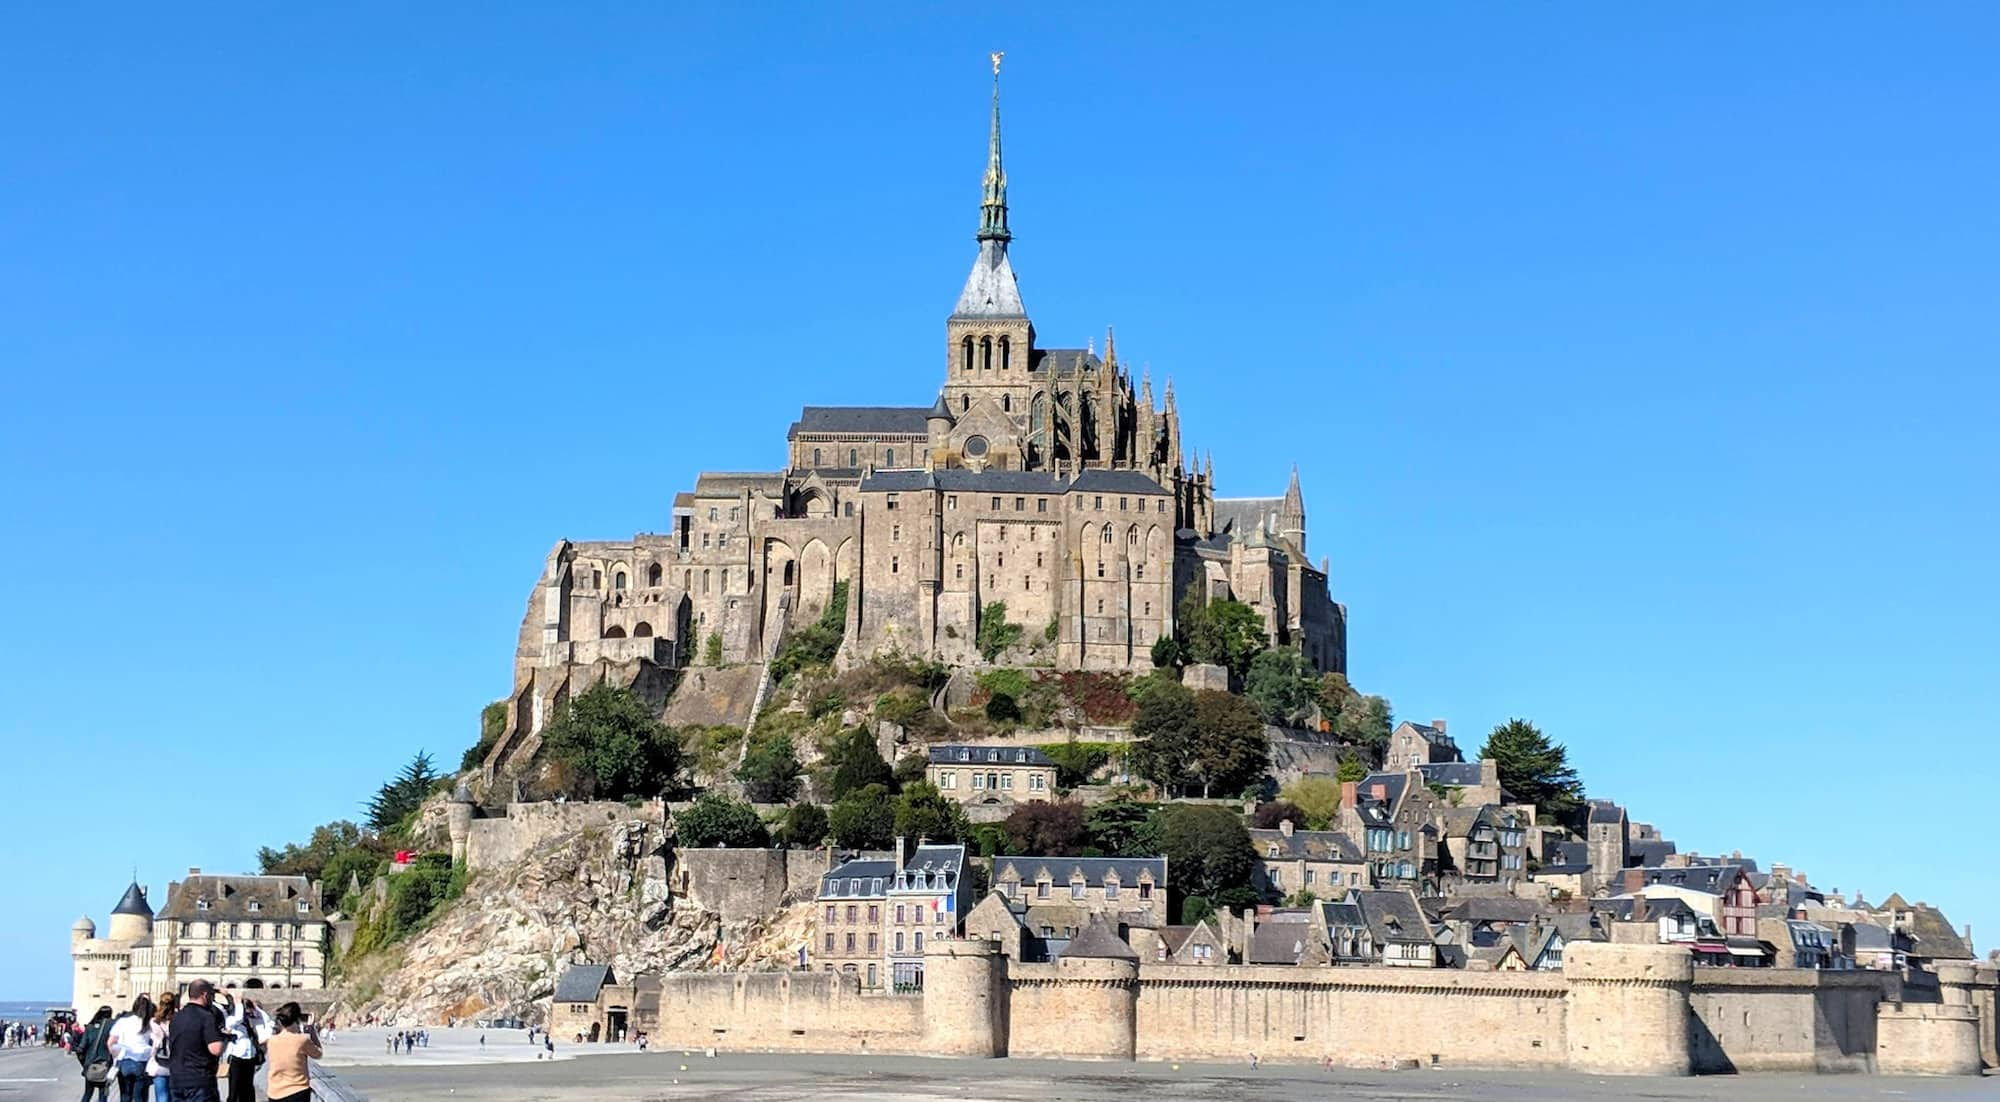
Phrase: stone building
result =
(928, 896)
(1414, 744)
(1394, 815)
(250, 932)
(995, 775)
(1043, 478)
(851, 898)
(877, 913)
(1323, 862)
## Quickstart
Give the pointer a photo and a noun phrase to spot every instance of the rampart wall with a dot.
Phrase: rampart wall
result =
(499, 841)
(1615, 1009)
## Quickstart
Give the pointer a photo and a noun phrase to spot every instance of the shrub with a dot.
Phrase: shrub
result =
(719, 821)
(711, 649)
(606, 745)
(1046, 830)
(1006, 682)
(995, 633)
(1103, 698)
(855, 764)
(864, 819)
(817, 642)
(803, 827)
(770, 772)
(1076, 762)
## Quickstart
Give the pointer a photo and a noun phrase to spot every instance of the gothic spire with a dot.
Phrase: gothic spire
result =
(1295, 502)
(993, 204)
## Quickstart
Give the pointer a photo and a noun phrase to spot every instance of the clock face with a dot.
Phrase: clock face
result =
(975, 446)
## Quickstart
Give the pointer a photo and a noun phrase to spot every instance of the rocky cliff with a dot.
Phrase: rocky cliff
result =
(586, 895)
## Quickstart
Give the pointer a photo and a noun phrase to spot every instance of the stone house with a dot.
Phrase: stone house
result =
(1413, 744)
(1607, 831)
(1721, 892)
(1285, 935)
(1290, 861)
(1345, 929)
(927, 897)
(851, 903)
(1567, 871)
(1397, 927)
(1473, 782)
(1484, 844)
(1393, 815)
(991, 775)
(590, 1005)
(1126, 891)
(1799, 943)
(1201, 944)
(1931, 935)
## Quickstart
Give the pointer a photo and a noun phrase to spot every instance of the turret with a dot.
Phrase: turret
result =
(1292, 514)
(132, 918)
(81, 931)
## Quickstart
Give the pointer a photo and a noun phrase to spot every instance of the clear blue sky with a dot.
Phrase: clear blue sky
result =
(1638, 364)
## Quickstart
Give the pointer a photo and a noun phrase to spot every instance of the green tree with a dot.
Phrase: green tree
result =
(716, 820)
(1533, 769)
(855, 764)
(399, 798)
(1047, 830)
(1283, 684)
(605, 745)
(418, 892)
(1163, 735)
(863, 819)
(1124, 828)
(1167, 653)
(1221, 633)
(923, 812)
(1077, 761)
(910, 769)
(804, 826)
(711, 649)
(348, 867)
(310, 860)
(770, 771)
(1318, 797)
(995, 633)
(1267, 816)
(1357, 719)
(1351, 769)
(1207, 848)
(1230, 750)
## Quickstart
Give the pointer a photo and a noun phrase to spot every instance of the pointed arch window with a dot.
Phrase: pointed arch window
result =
(986, 353)
(1006, 400)
(965, 354)
(1006, 353)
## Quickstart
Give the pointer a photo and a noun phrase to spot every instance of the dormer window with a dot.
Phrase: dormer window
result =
(201, 904)
(965, 755)
(255, 906)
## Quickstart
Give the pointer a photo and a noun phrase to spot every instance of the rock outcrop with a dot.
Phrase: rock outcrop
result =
(581, 896)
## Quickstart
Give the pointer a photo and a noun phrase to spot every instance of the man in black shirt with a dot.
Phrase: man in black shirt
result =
(194, 1047)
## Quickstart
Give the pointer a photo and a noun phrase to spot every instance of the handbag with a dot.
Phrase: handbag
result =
(97, 1072)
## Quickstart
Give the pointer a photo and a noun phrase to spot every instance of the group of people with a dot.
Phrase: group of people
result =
(409, 1040)
(23, 1034)
(174, 1051)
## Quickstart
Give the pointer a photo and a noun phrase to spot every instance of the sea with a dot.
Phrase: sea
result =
(28, 1010)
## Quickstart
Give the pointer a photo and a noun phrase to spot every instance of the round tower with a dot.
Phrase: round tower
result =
(1628, 1008)
(81, 931)
(132, 918)
(965, 998)
(1101, 975)
(458, 822)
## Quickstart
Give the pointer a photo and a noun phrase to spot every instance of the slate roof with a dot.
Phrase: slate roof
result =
(1935, 937)
(1392, 786)
(1280, 937)
(861, 878)
(1065, 361)
(1452, 774)
(1494, 909)
(965, 754)
(1713, 879)
(1097, 940)
(581, 982)
(931, 869)
(1342, 914)
(134, 902)
(732, 483)
(1532, 941)
(1568, 857)
(1318, 845)
(229, 898)
(1239, 515)
(986, 481)
(1650, 853)
(1094, 869)
(1097, 480)
(1392, 916)
(991, 291)
(1604, 811)
(863, 420)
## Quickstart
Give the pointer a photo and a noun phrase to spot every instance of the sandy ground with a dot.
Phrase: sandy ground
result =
(658, 1076)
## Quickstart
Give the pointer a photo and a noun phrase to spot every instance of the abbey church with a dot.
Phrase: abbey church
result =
(1037, 478)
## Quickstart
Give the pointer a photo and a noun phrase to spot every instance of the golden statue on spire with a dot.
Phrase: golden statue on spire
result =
(997, 55)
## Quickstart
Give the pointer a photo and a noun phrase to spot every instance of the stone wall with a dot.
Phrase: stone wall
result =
(1785, 1019)
(744, 884)
(500, 841)
(1615, 1009)
(1359, 1017)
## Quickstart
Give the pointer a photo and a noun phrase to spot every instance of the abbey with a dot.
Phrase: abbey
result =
(1037, 478)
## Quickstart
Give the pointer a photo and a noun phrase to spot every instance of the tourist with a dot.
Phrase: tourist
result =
(250, 1028)
(156, 1064)
(131, 1047)
(295, 1043)
(194, 1047)
(93, 1054)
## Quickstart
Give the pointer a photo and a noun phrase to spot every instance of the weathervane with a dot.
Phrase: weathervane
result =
(997, 55)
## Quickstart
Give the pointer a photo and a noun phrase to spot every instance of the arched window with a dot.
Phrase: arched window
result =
(853, 458)
(815, 457)
(1006, 403)
(1132, 535)
(889, 458)
(618, 579)
(704, 582)
(986, 353)
(1006, 353)
(687, 581)
(1107, 534)
(965, 355)
(614, 632)
(964, 402)
(642, 630)
(850, 508)
(653, 574)
(788, 573)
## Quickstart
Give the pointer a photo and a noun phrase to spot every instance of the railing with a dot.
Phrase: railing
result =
(328, 1087)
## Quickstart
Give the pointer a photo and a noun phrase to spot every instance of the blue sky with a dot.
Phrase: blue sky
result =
(1638, 366)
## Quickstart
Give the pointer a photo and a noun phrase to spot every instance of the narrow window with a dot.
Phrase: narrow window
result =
(815, 457)
(1041, 505)
(893, 567)
(1020, 503)
(889, 458)
(965, 354)
(853, 458)
(1006, 403)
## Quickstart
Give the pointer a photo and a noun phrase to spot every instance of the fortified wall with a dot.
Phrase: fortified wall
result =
(1613, 1009)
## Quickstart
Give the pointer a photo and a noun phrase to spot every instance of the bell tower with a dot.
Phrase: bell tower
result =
(989, 341)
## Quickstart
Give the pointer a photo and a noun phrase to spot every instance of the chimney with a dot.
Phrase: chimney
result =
(1350, 791)
(1285, 827)
(899, 853)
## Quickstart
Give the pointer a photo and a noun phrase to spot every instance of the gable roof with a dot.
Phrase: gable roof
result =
(1712, 879)
(581, 982)
(1281, 937)
(1935, 937)
(1568, 857)
(863, 420)
(1319, 845)
(1604, 811)
(1493, 909)
(1393, 916)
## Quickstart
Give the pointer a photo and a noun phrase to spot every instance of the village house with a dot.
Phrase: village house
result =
(1323, 862)
(1472, 782)
(1484, 844)
(991, 775)
(926, 898)
(1393, 813)
(1414, 744)
(1396, 925)
(1721, 892)
(1126, 891)
(1201, 944)
(1345, 929)
(851, 900)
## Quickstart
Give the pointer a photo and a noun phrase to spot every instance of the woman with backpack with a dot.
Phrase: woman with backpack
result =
(156, 1064)
(93, 1052)
(131, 1045)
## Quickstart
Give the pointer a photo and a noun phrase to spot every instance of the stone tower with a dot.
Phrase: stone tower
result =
(1292, 514)
(132, 918)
